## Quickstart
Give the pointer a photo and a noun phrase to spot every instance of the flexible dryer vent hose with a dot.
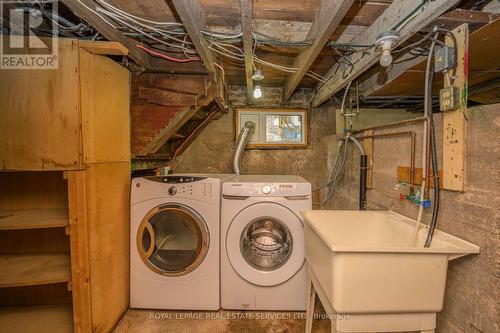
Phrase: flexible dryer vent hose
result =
(241, 143)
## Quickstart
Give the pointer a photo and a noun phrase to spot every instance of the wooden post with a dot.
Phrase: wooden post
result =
(80, 269)
(454, 122)
(246, 26)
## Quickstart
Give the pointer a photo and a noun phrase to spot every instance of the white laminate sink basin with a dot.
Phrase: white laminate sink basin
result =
(364, 263)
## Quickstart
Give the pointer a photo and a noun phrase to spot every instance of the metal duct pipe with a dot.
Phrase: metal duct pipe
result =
(241, 143)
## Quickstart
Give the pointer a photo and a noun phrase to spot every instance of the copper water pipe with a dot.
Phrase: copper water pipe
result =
(394, 124)
(412, 150)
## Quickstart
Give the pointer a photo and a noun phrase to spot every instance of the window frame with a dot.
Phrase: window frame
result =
(275, 145)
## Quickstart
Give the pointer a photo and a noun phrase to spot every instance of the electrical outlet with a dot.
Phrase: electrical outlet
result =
(444, 59)
(448, 98)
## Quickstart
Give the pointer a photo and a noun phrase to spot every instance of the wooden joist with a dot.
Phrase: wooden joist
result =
(166, 98)
(183, 84)
(79, 10)
(325, 23)
(363, 60)
(191, 16)
(246, 27)
(103, 48)
(376, 79)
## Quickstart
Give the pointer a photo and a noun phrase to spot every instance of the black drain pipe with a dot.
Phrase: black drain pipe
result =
(363, 166)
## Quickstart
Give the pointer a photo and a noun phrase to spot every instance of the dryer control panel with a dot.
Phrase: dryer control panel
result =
(176, 187)
(267, 189)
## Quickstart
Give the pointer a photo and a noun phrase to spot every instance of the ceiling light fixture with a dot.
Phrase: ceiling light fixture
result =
(386, 41)
(257, 92)
(257, 75)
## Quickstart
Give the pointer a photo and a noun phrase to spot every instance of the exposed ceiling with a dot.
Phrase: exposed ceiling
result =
(290, 33)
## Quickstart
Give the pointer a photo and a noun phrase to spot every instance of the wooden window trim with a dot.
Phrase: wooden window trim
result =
(305, 124)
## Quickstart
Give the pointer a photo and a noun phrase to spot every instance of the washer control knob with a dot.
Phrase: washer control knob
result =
(266, 189)
(172, 190)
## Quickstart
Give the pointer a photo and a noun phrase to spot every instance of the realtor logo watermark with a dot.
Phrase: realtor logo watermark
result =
(26, 29)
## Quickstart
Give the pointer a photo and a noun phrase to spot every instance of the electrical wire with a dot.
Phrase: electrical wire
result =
(344, 98)
(435, 169)
(336, 172)
(118, 10)
(425, 135)
(410, 16)
(164, 56)
(223, 78)
(271, 40)
(162, 33)
(455, 45)
(96, 13)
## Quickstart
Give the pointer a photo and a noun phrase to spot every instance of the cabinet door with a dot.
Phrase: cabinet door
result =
(104, 89)
(108, 206)
(39, 113)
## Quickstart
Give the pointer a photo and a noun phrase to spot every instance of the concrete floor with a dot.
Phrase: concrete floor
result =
(154, 321)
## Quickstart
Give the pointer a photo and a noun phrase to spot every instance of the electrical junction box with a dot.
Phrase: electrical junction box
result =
(448, 98)
(444, 59)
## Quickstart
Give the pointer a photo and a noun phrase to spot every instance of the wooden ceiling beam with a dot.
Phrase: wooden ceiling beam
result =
(140, 57)
(246, 27)
(363, 60)
(376, 79)
(328, 18)
(191, 16)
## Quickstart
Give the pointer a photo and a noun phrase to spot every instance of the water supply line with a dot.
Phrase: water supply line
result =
(241, 143)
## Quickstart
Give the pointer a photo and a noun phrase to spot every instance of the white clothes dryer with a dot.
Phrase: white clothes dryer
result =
(174, 242)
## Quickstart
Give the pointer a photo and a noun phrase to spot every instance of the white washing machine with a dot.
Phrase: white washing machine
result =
(174, 242)
(262, 242)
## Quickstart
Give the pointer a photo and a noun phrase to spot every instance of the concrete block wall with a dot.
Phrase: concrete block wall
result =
(472, 297)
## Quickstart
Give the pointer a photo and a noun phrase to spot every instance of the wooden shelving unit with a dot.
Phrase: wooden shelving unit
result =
(32, 204)
(64, 201)
(15, 219)
(39, 319)
(32, 270)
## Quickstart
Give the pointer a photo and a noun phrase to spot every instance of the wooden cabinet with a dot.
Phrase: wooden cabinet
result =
(64, 192)
(66, 118)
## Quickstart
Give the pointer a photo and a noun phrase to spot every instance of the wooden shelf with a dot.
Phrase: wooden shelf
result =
(40, 319)
(32, 270)
(14, 219)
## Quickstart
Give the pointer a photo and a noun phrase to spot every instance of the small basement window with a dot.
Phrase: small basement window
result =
(274, 128)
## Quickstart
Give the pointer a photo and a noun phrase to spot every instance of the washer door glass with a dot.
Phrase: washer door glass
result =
(266, 243)
(172, 240)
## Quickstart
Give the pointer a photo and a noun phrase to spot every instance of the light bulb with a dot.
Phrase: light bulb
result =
(386, 58)
(386, 40)
(257, 93)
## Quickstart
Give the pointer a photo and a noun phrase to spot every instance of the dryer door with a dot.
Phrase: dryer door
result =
(172, 240)
(265, 244)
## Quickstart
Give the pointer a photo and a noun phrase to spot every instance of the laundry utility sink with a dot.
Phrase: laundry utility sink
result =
(364, 264)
